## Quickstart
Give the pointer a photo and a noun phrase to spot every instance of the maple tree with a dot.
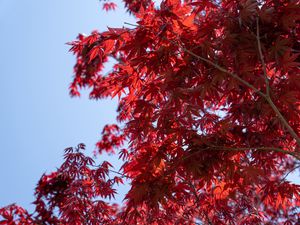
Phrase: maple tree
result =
(208, 118)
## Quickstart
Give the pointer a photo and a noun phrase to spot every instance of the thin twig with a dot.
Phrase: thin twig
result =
(222, 69)
(292, 170)
(194, 191)
(262, 58)
(121, 174)
(283, 120)
(114, 171)
(266, 149)
(267, 96)
(135, 25)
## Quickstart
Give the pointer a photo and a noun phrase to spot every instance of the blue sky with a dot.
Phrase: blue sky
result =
(38, 117)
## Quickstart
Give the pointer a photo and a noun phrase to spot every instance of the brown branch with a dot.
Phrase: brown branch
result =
(283, 120)
(266, 97)
(235, 76)
(134, 25)
(265, 149)
(121, 174)
(113, 171)
(262, 58)
(237, 149)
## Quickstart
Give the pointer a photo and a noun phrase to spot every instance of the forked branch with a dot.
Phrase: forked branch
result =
(265, 96)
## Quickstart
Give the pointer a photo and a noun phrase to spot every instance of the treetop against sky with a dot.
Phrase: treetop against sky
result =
(208, 118)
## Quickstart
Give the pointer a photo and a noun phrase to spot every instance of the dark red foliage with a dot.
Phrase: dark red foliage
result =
(208, 109)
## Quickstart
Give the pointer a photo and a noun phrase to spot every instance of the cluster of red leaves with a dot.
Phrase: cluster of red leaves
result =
(74, 194)
(111, 139)
(209, 101)
(14, 215)
(107, 6)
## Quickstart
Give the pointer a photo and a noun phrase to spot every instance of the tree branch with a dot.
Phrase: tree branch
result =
(265, 149)
(121, 174)
(283, 120)
(237, 149)
(235, 76)
(265, 96)
(116, 172)
(262, 59)
(288, 173)
(222, 69)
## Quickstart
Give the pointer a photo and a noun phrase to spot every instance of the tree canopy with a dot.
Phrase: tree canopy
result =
(208, 118)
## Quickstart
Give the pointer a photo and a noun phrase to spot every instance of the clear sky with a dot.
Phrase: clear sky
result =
(38, 117)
